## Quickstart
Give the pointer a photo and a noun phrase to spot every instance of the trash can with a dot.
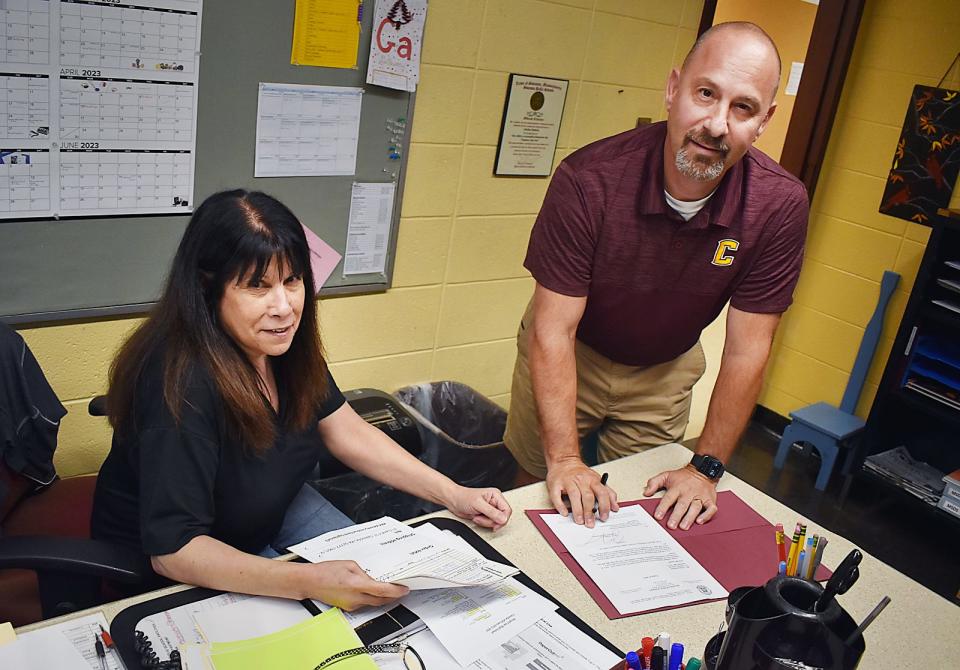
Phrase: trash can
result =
(462, 433)
(359, 497)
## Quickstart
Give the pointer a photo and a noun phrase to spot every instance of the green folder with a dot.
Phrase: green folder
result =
(299, 647)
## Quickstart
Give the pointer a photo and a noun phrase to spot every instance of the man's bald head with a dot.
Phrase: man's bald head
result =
(738, 28)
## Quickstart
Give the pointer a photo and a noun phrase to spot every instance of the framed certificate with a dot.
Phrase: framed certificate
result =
(530, 126)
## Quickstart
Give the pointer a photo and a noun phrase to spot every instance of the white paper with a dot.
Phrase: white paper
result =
(64, 646)
(397, 40)
(171, 628)
(307, 130)
(250, 618)
(100, 106)
(793, 81)
(472, 622)
(368, 231)
(553, 643)
(635, 562)
(390, 551)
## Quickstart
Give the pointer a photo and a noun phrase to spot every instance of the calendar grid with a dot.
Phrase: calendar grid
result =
(127, 37)
(24, 181)
(25, 31)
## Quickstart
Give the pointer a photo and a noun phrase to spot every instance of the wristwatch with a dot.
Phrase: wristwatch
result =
(708, 466)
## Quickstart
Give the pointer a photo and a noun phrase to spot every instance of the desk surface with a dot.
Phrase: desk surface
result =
(913, 608)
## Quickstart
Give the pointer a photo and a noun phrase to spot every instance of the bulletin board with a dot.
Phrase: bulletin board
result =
(74, 268)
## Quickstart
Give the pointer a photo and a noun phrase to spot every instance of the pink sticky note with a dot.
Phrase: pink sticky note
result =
(323, 259)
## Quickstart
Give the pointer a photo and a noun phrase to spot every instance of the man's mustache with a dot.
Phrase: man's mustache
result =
(708, 141)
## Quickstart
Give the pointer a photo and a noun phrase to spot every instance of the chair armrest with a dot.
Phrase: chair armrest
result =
(81, 556)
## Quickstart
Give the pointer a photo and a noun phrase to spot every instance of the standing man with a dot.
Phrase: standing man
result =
(642, 239)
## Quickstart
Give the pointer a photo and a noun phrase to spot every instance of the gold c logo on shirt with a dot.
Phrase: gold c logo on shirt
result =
(720, 256)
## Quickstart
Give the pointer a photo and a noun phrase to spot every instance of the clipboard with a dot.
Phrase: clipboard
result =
(123, 626)
(738, 547)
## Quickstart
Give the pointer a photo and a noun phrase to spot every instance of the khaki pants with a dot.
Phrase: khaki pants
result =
(634, 407)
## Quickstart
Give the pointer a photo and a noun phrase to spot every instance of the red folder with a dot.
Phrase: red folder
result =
(738, 547)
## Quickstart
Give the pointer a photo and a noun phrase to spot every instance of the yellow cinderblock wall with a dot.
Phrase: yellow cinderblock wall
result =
(850, 244)
(459, 285)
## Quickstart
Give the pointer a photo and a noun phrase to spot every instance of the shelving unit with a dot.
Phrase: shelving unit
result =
(926, 352)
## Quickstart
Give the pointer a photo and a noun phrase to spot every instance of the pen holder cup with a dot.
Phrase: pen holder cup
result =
(775, 626)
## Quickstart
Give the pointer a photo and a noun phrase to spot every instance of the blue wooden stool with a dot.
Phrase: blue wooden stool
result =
(829, 429)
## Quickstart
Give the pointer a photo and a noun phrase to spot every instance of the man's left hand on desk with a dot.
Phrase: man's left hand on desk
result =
(692, 496)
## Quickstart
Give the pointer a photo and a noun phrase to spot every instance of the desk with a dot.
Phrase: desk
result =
(915, 613)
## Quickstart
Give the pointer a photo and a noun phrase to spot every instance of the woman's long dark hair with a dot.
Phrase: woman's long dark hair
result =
(232, 236)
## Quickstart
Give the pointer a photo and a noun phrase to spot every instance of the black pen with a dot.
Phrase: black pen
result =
(603, 482)
(101, 653)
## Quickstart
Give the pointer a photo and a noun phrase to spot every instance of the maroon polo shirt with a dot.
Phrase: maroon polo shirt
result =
(653, 281)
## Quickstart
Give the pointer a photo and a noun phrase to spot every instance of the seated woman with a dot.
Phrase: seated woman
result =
(221, 402)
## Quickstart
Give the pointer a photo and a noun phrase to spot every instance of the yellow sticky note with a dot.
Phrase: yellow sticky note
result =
(326, 33)
(6, 633)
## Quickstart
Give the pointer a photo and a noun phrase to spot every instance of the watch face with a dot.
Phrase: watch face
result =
(708, 466)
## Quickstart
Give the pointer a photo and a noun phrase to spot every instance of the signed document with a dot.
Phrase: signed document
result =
(635, 562)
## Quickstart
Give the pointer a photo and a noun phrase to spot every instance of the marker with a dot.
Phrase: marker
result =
(633, 661)
(694, 664)
(663, 641)
(781, 545)
(646, 650)
(676, 656)
(657, 660)
(802, 564)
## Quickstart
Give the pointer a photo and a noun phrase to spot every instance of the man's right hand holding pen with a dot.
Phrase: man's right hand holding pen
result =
(576, 488)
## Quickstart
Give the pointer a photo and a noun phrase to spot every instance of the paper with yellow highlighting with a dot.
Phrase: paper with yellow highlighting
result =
(326, 33)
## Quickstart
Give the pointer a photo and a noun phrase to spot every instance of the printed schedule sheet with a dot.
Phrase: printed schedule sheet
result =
(99, 106)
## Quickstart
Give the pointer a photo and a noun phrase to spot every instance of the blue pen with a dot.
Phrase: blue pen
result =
(633, 661)
(676, 656)
(782, 569)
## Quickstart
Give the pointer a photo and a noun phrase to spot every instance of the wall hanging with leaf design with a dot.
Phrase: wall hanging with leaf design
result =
(927, 160)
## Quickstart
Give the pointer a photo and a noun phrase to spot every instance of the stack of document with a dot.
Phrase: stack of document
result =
(419, 558)
(499, 624)
(471, 604)
(900, 468)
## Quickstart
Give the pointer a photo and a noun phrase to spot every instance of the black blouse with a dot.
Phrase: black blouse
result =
(164, 483)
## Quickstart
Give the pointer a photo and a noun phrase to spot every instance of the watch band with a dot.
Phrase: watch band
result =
(710, 467)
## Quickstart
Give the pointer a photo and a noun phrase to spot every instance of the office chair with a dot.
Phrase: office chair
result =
(48, 564)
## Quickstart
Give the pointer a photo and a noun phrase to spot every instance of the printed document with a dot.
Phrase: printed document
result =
(553, 643)
(390, 551)
(307, 130)
(368, 230)
(471, 622)
(635, 562)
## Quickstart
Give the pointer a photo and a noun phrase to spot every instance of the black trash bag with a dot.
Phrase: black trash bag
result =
(359, 497)
(462, 433)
